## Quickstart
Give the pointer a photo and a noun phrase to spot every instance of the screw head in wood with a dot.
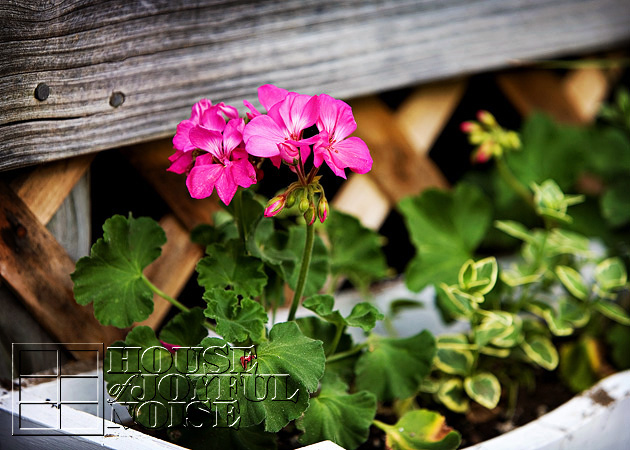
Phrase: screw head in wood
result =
(116, 99)
(42, 91)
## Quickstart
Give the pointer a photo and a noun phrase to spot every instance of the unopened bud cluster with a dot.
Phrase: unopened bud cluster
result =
(310, 199)
(491, 139)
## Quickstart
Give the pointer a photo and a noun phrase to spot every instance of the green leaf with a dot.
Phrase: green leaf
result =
(550, 201)
(612, 311)
(579, 362)
(618, 338)
(484, 388)
(512, 336)
(284, 398)
(453, 356)
(453, 396)
(251, 210)
(573, 281)
(318, 269)
(227, 266)
(541, 351)
(519, 274)
(494, 324)
(237, 320)
(111, 276)
(563, 242)
(455, 301)
(394, 368)
(420, 429)
(337, 416)
(446, 228)
(355, 250)
(185, 329)
(615, 203)
(513, 229)
(610, 275)
(134, 370)
(269, 244)
(363, 315)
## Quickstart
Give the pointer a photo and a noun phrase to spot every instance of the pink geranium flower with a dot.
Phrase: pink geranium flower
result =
(278, 135)
(224, 167)
(335, 123)
(206, 115)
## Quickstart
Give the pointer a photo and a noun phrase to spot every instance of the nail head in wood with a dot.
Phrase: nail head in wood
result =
(42, 91)
(116, 99)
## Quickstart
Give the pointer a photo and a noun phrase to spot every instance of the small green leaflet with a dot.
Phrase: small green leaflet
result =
(185, 329)
(453, 395)
(237, 319)
(453, 355)
(541, 350)
(484, 388)
(227, 266)
(394, 368)
(355, 251)
(573, 281)
(363, 315)
(338, 416)
(420, 429)
(446, 228)
(111, 276)
(276, 400)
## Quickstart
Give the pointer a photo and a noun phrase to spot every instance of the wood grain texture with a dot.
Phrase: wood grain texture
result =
(35, 266)
(171, 271)
(398, 169)
(585, 90)
(163, 56)
(151, 161)
(45, 188)
(362, 198)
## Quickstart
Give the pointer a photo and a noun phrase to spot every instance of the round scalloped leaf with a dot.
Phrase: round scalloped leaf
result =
(237, 319)
(186, 329)
(484, 388)
(453, 396)
(111, 277)
(337, 416)
(394, 368)
(420, 429)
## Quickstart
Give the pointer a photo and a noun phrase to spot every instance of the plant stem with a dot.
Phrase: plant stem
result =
(164, 295)
(172, 301)
(238, 210)
(346, 354)
(306, 261)
(513, 182)
(336, 339)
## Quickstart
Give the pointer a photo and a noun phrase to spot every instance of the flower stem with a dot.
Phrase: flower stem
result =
(513, 182)
(336, 339)
(306, 262)
(238, 214)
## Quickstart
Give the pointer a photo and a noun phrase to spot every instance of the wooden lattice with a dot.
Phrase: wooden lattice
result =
(37, 268)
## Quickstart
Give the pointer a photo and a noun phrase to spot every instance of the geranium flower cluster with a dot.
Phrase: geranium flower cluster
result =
(218, 150)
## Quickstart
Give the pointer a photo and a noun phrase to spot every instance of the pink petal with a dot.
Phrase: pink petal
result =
(269, 95)
(243, 172)
(261, 136)
(212, 119)
(170, 347)
(335, 117)
(181, 140)
(181, 161)
(254, 112)
(226, 187)
(352, 153)
(298, 112)
(335, 166)
(233, 135)
(230, 111)
(202, 179)
(207, 140)
(198, 109)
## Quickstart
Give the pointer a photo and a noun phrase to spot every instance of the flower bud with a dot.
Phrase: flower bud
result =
(304, 204)
(310, 216)
(291, 198)
(486, 118)
(469, 127)
(275, 205)
(322, 209)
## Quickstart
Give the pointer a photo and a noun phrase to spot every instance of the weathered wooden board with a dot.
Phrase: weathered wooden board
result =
(33, 264)
(161, 56)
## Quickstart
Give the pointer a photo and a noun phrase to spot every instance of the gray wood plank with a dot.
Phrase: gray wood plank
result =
(163, 56)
